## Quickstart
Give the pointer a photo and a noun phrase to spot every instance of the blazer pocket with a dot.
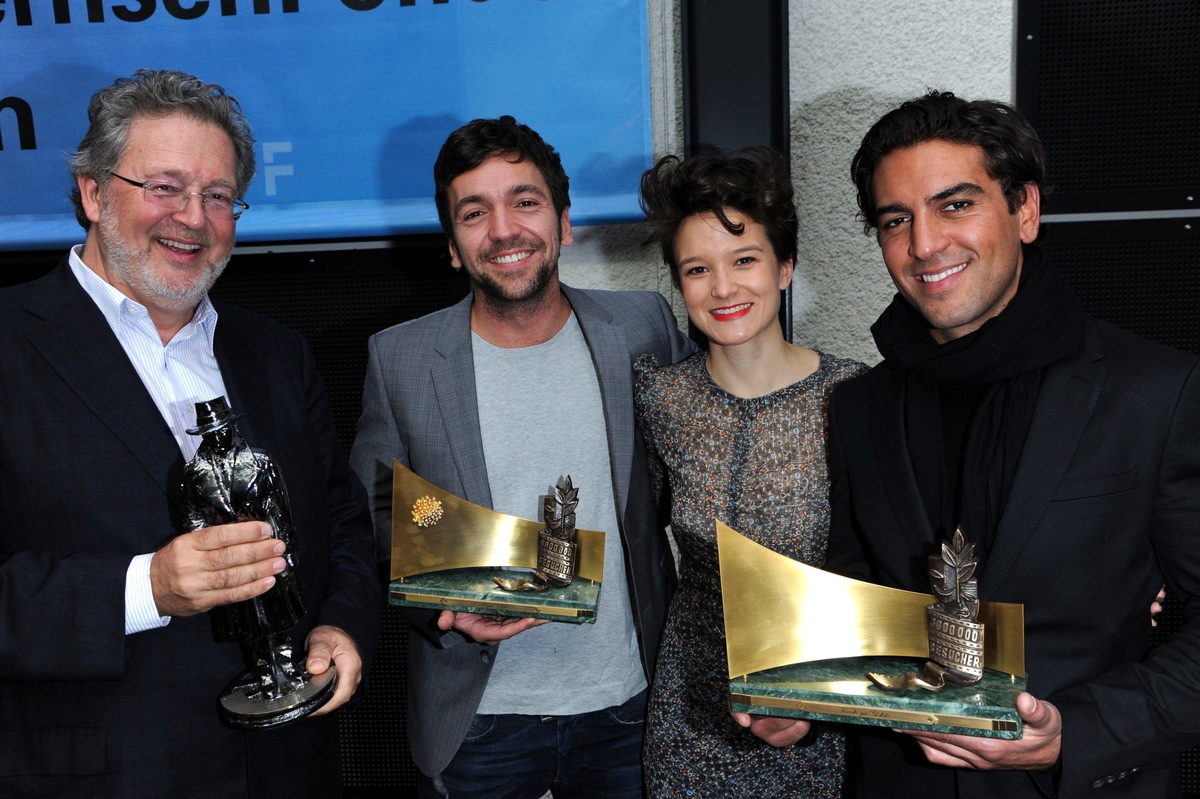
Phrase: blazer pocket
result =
(52, 751)
(1090, 486)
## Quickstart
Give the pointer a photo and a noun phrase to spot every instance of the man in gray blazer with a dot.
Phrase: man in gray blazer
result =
(495, 399)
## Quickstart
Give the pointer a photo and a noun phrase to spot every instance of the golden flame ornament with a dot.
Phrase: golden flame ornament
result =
(426, 512)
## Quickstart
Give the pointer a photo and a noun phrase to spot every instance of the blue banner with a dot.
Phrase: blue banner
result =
(349, 100)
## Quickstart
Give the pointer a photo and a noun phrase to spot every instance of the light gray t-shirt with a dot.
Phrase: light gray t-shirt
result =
(541, 416)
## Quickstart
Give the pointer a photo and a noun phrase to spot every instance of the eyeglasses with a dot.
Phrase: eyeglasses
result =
(172, 197)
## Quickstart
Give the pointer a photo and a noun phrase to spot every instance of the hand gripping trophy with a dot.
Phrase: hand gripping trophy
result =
(227, 482)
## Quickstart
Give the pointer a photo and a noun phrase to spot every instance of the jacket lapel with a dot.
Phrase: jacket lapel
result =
(610, 355)
(454, 387)
(1065, 402)
(77, 342)
(886, 398)
(248, 383)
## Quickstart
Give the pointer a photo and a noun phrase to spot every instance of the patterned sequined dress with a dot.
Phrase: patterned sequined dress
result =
(759, 466)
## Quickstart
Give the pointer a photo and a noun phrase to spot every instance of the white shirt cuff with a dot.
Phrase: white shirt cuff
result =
(141, 613)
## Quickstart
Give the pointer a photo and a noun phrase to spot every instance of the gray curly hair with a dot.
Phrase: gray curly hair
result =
(155, 93)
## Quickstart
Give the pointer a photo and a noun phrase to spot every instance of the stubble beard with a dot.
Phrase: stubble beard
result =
(132, 267)
(511, 298)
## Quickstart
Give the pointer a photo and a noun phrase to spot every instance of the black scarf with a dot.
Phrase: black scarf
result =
(982, 388)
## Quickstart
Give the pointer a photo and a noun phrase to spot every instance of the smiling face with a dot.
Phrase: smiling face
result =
(730, 284)
(507, 234)
(164, 260)
(950, 243)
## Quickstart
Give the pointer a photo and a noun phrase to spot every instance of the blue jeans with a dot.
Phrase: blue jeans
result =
(593, 755)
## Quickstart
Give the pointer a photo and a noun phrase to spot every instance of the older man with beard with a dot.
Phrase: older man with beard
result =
(109, 671)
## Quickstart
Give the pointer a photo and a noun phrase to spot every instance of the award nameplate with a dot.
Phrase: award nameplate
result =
(451, 554)
(801, 641)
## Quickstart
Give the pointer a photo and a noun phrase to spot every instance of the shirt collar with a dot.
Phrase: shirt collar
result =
(115, 305)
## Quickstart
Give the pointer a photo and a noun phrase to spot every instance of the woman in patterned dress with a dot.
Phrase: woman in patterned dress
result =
(739, 433)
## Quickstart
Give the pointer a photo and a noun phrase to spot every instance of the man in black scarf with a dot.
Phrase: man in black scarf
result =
(1067, 450)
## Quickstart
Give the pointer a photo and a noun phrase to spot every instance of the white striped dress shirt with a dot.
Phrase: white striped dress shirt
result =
(177, 376)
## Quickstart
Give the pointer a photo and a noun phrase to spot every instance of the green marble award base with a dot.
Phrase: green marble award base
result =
(838, 690)
(472, 591)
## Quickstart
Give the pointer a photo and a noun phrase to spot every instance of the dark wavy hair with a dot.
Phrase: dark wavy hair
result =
(479, 140)
(753, 181)
(1013, 153)
(154, 94)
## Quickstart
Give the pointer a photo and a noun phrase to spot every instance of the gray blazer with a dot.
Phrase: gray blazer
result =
(419, 406)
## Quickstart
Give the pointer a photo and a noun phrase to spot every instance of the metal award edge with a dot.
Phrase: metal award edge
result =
(449, 562)
(800, 640)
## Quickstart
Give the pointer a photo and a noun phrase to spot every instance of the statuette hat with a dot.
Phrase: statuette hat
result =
(213, 415)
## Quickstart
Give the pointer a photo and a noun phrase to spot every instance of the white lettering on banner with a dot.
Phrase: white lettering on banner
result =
(273, 170)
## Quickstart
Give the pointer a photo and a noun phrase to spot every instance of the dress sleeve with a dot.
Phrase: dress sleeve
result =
(645, 377)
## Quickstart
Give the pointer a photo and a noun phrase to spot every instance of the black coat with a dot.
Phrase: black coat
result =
(89, 477)
(1104, 508)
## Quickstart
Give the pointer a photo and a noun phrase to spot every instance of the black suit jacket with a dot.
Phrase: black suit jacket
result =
(1105, 505)
(89, 477)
